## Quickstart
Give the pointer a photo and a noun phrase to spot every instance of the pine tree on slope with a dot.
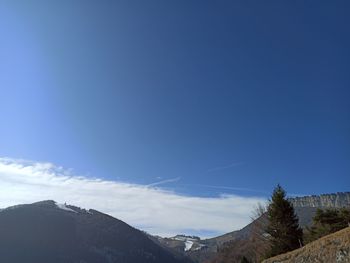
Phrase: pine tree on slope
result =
(283, 227)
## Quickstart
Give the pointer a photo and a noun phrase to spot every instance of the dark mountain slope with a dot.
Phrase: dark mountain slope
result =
(44, 232)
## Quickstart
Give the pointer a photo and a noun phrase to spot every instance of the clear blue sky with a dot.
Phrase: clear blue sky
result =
(241, 94)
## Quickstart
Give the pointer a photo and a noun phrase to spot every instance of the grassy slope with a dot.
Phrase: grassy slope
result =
(331, 248)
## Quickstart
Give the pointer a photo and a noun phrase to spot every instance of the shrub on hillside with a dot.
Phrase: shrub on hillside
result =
(326, 222)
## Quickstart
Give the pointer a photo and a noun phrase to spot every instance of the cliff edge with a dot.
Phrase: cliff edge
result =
(337, 200)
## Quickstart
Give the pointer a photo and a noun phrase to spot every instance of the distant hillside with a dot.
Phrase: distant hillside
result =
(201, 250)
(57, 233)
(332, 248)
(232, 246)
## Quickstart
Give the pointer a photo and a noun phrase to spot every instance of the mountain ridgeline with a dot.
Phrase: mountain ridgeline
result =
(337, 200)
(59, 233)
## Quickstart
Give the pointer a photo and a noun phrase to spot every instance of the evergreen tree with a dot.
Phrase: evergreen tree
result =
(326, 222)
(283, 227)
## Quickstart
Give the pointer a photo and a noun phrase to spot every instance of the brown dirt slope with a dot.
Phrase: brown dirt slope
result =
(328, 249)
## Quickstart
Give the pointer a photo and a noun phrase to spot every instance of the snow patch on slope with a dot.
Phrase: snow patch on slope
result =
(64, 207)
(188, 241)
(188, 245)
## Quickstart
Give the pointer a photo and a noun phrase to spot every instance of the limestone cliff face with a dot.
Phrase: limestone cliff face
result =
(337, 200)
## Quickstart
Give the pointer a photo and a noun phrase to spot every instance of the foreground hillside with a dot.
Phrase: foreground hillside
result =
(49, 232)
(332, 248)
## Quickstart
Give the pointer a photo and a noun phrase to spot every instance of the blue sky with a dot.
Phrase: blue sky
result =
(209, 98)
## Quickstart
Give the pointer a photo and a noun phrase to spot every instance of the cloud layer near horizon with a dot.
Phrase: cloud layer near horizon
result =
(146, 207)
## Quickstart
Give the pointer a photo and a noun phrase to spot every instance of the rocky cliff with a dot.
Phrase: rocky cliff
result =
(337, 200)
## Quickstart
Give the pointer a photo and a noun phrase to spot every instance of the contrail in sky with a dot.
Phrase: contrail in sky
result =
(165, 181)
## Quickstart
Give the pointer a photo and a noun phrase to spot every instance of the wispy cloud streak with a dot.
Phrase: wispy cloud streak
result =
(172, 180)
(147, 207)
(243, 189)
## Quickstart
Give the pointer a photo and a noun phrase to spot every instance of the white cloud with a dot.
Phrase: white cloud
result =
(146, 207)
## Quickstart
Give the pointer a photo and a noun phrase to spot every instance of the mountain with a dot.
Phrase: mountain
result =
(232, 246)
(337, 200)
(248, 242)
(203, 250)
(182, 243)
(58, 233)
(190, 246)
